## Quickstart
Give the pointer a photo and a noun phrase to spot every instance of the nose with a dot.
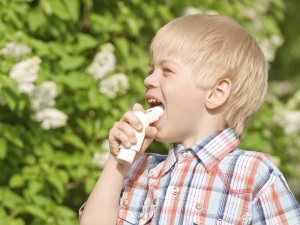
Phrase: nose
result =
(151, 81)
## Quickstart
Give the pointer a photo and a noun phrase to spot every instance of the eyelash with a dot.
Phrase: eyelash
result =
(150, 72)
(165, 70)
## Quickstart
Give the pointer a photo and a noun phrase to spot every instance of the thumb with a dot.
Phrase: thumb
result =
(150, 133)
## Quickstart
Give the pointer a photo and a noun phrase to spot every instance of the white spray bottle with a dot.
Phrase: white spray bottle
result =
(126, 155)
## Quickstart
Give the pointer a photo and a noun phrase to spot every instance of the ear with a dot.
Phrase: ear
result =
(219, 94)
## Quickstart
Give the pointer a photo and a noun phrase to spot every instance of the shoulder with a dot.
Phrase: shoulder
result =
(254, 169)
(252, 160)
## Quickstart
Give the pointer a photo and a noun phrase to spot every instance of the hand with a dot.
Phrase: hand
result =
(123, 132)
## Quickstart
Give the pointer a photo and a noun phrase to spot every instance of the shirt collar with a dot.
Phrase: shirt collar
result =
(210, 150)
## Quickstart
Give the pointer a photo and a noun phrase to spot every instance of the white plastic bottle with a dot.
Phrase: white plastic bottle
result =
(126, 155)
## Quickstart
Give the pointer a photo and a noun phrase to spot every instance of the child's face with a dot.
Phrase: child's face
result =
(172, 83)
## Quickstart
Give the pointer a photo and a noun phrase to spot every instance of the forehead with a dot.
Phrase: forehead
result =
(165, 57)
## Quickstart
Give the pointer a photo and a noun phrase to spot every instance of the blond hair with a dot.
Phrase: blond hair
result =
(217, 47)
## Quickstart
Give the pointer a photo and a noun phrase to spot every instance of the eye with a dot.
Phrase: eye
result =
(150, 71)
(167, 70)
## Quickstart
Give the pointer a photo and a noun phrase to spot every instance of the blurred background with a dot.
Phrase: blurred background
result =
(70, 68)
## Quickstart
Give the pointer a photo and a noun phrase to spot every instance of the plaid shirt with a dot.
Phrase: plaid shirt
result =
(212, 182)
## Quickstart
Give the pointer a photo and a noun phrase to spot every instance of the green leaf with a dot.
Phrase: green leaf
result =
(39, 46)
(64, 212)
(74, 140)
(76, 80)
(54, 180)
(10, 83)
(86, 126)
(123, 46)
(35, 186)
(9, 199)
(85, 41)
(73, 9)
(36, 211)
(71, 62)
(3, 148)
(59, 10)
(13, 139)
(133, 25)
(16, 181)
(13, 17)
(10, 98)
(36, 19)
(46, 6)
(97, 100)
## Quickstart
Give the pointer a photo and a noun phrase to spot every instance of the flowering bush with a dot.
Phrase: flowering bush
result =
(70, 69)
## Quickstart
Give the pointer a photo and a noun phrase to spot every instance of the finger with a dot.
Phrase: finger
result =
(138, 107)
(150, 133)
(116, 135)
(128, 130)
(130, 118)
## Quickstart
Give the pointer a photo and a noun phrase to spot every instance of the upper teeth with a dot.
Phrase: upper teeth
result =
(152, 100)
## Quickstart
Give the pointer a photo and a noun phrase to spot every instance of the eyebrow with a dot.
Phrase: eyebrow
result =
(161, 62)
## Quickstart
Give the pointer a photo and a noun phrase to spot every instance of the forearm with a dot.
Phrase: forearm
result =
(102, 206)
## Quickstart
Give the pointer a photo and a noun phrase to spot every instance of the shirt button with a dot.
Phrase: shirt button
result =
(244, 217)
(141, 215)
(186, 154)
(154, 202)
(175, 190)
(198, 205)
(125, 202)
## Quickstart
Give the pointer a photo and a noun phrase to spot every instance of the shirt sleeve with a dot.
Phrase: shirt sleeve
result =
(276, 205)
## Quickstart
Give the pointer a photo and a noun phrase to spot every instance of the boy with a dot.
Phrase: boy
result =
(211, 78)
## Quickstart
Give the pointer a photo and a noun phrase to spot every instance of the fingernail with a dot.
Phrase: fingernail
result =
(128, 145)
(133, 140)
(139, 127)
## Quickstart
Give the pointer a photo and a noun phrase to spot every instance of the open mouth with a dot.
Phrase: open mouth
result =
(152, 102)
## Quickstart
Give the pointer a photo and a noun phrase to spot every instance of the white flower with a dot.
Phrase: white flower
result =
(114, 85)
(105, 145)
(270, 45)
(191, 11)
(289, 121)
(212, 12)
(15, 50)
(26, 88)
(103, 63)
(108, 47)
(43, 96)
(100, 159)
(50, 118)
(25, 73)
(294, 102)
(292, 124)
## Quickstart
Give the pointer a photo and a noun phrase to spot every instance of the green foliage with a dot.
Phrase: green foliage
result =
(46, 174)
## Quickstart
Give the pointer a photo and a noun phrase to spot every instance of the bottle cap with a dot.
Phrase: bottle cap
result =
(126, 156)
